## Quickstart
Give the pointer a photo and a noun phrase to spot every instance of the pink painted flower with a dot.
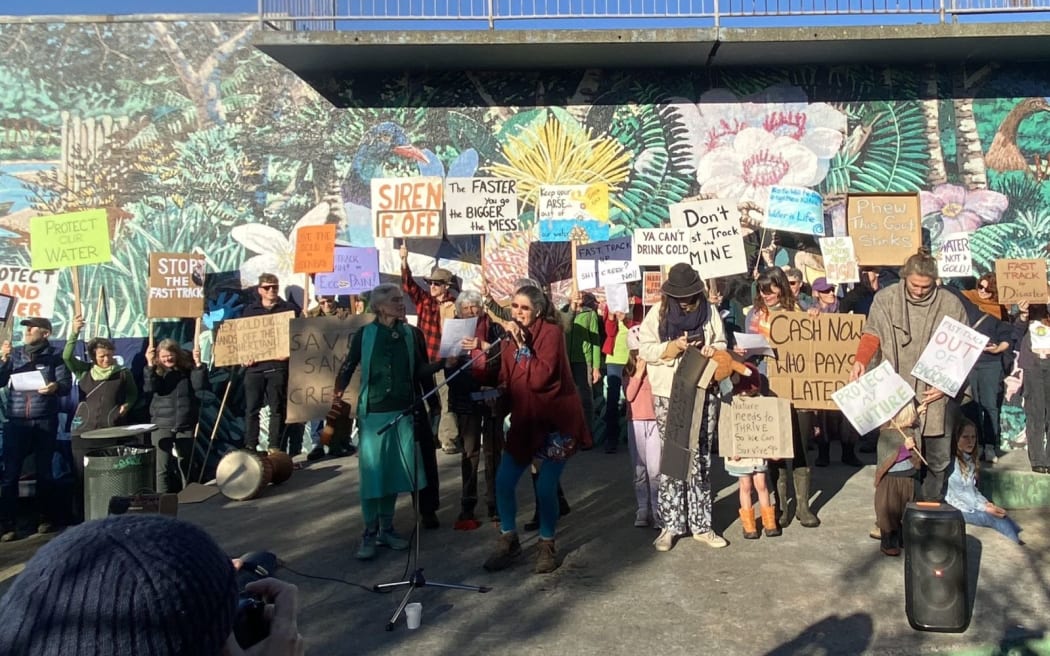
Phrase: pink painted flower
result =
(753, 161)
(960, 210)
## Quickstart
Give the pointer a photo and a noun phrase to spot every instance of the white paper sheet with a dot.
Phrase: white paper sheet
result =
(453, 332)
(28, 381)
(753, 343)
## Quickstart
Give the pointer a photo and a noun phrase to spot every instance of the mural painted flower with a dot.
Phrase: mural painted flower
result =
(275, 253)
(753, 161)
(961, 210)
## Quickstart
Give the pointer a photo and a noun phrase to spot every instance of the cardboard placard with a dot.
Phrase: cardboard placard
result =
(478, 206)
(814, 356)
(948, 358)
(176, 285)
(652, 281)
(840, 262)
(317, 348)
(756, 427)
(716, 243)
(795, 209)
(314, 249)
(264, 337)
(605, 263)
(874, 398)
(573, 213)
(886, 229)
(954, 260)
(356, 271)
(659, 246)
(7, 306)
(1021, 280)
(35, 291)
(68, 240)
(407, 207)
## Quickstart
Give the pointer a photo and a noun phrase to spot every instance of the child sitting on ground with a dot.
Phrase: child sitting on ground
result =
(751, 472)
(643, 435)
(895, 476)
(962, 486)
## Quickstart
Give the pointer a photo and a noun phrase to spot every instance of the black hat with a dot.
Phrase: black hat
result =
(682, 282)
(38, 322)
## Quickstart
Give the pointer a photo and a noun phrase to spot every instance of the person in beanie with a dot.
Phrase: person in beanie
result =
(32, 424)
(137, 584)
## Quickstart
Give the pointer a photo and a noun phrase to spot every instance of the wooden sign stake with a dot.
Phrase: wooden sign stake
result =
(74, 273)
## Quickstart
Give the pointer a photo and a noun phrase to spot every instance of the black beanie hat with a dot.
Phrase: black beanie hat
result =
(132, 584)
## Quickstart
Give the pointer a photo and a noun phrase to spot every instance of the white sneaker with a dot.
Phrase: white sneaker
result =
(641, 518)
(664, 541)
(711, 539)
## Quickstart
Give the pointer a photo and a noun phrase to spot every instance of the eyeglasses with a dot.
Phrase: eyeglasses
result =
(268, 288)
(984, 288)
(436, 283)
(515, 306)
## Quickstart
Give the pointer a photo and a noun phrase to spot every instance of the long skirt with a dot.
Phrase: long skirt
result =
(388, 462)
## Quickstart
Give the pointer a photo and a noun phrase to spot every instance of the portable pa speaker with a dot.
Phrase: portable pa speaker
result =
(935, 582)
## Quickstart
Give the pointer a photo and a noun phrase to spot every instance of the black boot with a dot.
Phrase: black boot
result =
(849, 457)
(823, 453)
(802, 511)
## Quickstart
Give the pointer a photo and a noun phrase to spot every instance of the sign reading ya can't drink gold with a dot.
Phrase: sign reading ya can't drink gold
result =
(68, 240)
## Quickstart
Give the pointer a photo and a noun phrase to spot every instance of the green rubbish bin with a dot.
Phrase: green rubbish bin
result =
(115, 471)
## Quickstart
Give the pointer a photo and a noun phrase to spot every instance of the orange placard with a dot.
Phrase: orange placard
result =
(315, 249)
(651, 283)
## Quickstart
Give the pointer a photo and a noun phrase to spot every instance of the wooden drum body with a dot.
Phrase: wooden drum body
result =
(282, 466)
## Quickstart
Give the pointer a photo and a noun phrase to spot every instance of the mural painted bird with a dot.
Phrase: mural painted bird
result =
(1004, 153)
(381, 144)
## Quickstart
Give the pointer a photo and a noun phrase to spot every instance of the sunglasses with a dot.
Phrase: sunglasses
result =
(984, 288)
(825, 291)
(268, 288)
(794, 283)
(436, 283)
(515, 306)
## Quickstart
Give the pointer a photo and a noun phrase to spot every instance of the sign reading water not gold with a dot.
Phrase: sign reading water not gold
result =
(258, 338)
(814, 356)
(176, 285)
(68, 240)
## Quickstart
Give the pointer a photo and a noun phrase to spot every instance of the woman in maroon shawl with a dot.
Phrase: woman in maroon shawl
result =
(546, 423)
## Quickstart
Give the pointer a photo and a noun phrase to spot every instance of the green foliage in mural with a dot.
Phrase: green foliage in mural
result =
(889, 152)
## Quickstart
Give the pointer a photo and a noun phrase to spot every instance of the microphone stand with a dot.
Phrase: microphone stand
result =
(416, 579)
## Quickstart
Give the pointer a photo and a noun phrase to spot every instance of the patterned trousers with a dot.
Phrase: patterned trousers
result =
(685, 506)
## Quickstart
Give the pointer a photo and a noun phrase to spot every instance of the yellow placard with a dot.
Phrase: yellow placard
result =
(67, 240)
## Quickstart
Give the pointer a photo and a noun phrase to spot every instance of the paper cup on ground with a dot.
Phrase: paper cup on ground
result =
(413, 615)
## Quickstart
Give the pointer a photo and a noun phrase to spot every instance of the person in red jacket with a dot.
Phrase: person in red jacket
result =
(546, 423)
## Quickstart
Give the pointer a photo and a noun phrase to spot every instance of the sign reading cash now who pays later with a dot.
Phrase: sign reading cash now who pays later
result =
(68, 240)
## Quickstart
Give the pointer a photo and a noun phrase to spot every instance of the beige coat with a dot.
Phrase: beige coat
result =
(650, 349)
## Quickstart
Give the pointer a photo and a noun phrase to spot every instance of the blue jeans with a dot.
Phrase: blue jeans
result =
(613, 385)
(507, 476)
(1004, 525)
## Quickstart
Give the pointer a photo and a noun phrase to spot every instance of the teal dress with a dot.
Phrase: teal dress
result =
(388, 360)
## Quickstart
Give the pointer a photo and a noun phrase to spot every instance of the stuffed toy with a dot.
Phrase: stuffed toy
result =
(727, 365)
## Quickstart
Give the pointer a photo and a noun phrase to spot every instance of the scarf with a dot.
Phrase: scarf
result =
(677, 322)
(103, 373)
(33, 350)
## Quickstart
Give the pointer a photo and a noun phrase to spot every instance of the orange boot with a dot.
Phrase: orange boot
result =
(747, 520)
(769, 522)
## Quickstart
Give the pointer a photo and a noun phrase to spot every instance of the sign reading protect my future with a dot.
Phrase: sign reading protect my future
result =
(68, 240)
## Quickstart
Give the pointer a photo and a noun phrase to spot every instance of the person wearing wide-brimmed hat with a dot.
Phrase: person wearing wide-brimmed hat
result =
(683, 319)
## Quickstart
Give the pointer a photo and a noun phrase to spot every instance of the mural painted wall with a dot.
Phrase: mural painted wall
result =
(194, 141)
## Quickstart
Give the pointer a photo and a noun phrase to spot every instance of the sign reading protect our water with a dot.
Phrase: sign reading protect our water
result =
(716, 244)
(573, 213)
(356, 271)
(947, 359)
(478, 206)
(68, 240)
(795, 209)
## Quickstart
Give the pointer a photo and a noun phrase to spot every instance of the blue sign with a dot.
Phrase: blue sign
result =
(562, 229)
(356, 271)
(795, 209)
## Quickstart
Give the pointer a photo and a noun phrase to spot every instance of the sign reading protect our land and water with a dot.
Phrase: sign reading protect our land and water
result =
(68, 240)
(716, 244)
(874, 398)
(478, 206)
(35, 291)
(356, 271)
(258, 338)
(176, 285)
(757, 427)
(840, 262)
(1021, 280)
(573, 213)
(659, 246)
(605, 263)
(317, 347)
(947, 359)
(407, 207)
(885, 228)
(795, 209)
(814, 356)
(954, 259)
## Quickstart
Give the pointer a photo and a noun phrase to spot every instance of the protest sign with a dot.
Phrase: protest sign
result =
(952, 351)
(573, 213)
(617, 299)
(874, 398)
(263, 337)
(34, 290)
(453, 332)
(317, 348)
(478, 206)
(605, 263)
(1021, 280)
(795, 209)
(716, 244)
(652, 281)
(176, 285)
(356, 271)
(659, 246)
(885, 228)
(814, 355)
(7, 306)
(407, 207)
(954, 259)
(757, 427)
(314, 249)
(840, 262)
(68, 240)
(1040, 333)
